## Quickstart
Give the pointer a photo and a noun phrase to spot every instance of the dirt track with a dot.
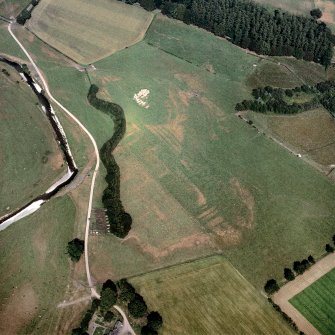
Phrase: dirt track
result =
(299, 284)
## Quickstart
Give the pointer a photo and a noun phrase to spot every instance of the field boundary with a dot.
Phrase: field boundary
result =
(296, 286)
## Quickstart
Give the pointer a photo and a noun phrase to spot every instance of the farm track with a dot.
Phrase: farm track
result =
(126, 326)
(291, 289)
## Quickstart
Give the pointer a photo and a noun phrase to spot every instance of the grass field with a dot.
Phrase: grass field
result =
(12, 8)
(208, 297)
(30, 160)
(311, 133)
(317, 303)
(33, 252)
(206, 182)
(196, 179)
(87, 31)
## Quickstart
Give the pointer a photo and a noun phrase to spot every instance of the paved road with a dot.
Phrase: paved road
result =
(94, 293)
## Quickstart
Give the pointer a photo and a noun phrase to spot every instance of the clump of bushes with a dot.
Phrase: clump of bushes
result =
(270, 99)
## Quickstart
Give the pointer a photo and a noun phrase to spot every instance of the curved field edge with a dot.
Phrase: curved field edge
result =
(31, 160)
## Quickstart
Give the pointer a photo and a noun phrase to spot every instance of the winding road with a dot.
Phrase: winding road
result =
(126, 326)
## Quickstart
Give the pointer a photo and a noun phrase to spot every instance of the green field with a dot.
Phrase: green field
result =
(208, 297)
(37, 269)
(207, 182)
(30, 160)
(317, 303)
(12, 8)
(87, 31)
(196, 179)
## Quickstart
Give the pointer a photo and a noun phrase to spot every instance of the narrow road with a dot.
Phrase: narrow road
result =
(94, 293)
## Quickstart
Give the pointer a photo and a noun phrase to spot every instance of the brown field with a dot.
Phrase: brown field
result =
(310, 133)
(87, 31)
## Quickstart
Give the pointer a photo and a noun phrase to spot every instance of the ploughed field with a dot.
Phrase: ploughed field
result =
(317, 303)
(208, 296)
(30, 159)
(86, 30)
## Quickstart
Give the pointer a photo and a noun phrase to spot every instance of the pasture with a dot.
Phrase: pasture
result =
(208, 296)
(33, 252)
(317, 303)
(87, 31)
(195, 178)
(12, 8)
(30, 160)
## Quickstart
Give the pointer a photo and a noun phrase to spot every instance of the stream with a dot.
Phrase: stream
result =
(60, 136)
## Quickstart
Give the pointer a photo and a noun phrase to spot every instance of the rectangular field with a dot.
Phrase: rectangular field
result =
(86, 30)
(208, 297)
(317, 303)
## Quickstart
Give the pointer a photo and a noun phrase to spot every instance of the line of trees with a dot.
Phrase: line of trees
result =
(119, 220)
(253, 26)
(271, 99)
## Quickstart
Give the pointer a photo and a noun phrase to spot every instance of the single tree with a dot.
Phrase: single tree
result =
(109, 316)
(109, 284)
(329, 248)
(288, 274)
(146, 330)
(137, 306)
(75, 249)
(316, 13)
(334, 238)
(108, 299)
(127, 291)
(311, 259)
(271, 286)
(155, 320)
(77, 331)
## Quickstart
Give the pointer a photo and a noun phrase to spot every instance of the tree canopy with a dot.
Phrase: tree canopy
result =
(271, 286)
(137, 306)
(75, 249)
(255, 27)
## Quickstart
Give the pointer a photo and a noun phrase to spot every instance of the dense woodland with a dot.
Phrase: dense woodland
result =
(254, 27)
(281, 101)
(120, 221)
